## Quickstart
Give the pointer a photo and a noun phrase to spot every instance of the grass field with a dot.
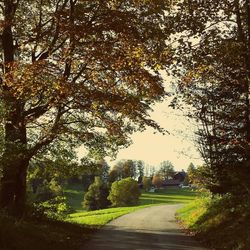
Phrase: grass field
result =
(74, 194)
(101, 217)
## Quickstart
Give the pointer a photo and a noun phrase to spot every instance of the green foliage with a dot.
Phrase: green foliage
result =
(96, 196)
(60, 85)
(124, 193)
(49, 200)
(166, 170)
(123, 169)
(126, 168)
(47, 190)
(55, 208)
(214, 218)
(212, 67)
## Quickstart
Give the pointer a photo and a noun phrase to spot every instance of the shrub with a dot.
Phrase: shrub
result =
(48, 201)
(124, 193)
(96, 197)
(47, 191)
(55, 208)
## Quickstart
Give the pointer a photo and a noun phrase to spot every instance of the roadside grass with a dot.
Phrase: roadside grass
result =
(190, 213)
(95, 219)
(101, 217)
(212, 220)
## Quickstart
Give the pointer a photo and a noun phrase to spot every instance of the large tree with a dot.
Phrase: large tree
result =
(166, 170)
(123, 169)
(213, 65)
(75, 69)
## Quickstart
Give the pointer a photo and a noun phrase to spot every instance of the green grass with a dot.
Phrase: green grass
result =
(168, 196)
(74, 194)
(190, 213)
(211, 220)
(103, 216)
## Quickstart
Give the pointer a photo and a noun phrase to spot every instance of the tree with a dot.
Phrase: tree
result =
(212, 62)
(166, 170)
(76, 71)
(123, 169)
(147, 183)
(191, 172)
(125, 192)
(113, 175)
(157, 181)
(140, 169)
(89, 169)
(96, 197)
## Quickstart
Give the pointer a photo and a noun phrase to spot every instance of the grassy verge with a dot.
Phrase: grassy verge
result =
(101, 217)
(219, 218)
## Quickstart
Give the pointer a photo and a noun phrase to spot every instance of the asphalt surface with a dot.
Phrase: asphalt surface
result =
(152, 228)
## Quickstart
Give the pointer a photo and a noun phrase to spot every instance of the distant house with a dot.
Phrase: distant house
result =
(177, 180)
(180, 176)
(171, 182)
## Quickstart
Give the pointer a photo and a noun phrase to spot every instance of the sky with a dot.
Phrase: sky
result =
(153, 148)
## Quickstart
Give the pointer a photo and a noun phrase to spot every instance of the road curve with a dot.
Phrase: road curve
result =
(152, 228)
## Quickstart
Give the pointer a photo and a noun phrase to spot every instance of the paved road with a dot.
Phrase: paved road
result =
(152, 228)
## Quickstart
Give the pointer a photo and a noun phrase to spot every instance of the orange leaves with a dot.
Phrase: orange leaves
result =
(27, 81)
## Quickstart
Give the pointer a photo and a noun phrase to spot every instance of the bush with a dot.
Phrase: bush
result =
(124, 193)
(47, 191)
(55, 208)
(96, 197)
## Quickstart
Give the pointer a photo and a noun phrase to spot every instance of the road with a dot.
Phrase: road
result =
(152, 228)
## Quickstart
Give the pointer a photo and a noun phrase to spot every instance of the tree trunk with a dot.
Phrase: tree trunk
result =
(15, 160)
(13, 187)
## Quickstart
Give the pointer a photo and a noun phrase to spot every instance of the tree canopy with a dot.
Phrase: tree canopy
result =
(212, 62)
(75, 71)
(166, 170)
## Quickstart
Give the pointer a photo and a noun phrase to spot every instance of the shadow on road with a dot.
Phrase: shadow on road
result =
(111, 238)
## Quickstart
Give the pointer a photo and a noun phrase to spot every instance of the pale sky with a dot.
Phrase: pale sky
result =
(154, 148)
